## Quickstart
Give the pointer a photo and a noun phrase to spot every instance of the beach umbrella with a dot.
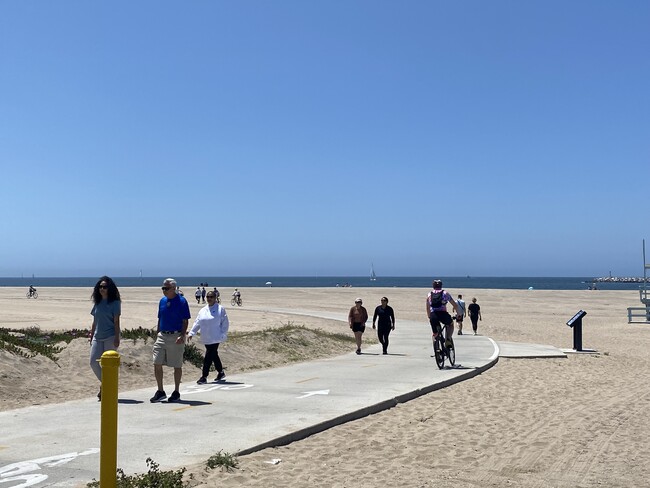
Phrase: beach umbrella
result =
(268, 283)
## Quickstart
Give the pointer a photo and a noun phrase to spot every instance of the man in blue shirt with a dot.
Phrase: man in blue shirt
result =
(173, 317)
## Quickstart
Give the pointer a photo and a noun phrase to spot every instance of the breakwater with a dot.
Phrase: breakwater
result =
(621, 279)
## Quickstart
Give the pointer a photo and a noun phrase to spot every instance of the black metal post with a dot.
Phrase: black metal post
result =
(577, 335)
(575, 323)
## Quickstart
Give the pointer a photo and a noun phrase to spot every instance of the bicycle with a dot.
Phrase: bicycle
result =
(33, 294)
(236, 301)
(440, 350)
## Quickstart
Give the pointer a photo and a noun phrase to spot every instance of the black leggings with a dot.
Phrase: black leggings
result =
(474, 319)
(382, 334)
(211, 356)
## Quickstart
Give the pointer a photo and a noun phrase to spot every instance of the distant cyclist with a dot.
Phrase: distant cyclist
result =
(437, 300)
(237, 296)
(32, 290)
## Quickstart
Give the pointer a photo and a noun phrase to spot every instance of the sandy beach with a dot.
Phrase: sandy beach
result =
(574, 422)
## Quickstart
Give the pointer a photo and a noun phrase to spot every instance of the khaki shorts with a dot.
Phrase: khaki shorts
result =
(167, 352)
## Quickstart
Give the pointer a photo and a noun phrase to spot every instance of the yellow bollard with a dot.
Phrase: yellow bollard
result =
(110, 362)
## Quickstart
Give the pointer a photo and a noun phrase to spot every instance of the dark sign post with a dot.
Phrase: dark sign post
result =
(575, 323)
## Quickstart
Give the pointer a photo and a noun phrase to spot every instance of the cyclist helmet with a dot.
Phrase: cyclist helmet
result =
(437, 284)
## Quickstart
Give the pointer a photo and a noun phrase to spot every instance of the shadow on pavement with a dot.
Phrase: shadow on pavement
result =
(191, 403)
(128, 401)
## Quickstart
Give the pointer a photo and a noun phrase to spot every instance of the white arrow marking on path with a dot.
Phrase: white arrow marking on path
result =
(312, 393)
(17, 471)
(226, 387)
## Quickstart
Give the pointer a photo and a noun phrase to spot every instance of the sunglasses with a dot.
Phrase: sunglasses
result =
(165, 288)
(103, 287)
(210, 296)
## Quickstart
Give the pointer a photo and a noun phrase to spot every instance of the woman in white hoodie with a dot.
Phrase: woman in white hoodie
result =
(212, 323)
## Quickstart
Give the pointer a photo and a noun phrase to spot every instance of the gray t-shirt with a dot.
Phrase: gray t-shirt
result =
(461, 307)
(105, 314)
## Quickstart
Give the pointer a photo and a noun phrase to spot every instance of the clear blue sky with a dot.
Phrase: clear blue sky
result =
(494, 138)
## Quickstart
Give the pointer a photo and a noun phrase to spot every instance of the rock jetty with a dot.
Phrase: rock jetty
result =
(620, 279)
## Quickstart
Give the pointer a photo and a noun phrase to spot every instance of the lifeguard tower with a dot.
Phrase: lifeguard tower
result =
(641, 314)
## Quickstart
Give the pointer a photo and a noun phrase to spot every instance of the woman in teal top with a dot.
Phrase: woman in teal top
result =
(105, 331)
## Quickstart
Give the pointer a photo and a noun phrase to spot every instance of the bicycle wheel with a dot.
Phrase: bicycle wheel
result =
(451, 353)
(239, 302)
(233, 302)
(28, 295)
(35, 295)
(438, 353)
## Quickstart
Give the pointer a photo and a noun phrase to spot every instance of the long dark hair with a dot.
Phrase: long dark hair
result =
(113, 292)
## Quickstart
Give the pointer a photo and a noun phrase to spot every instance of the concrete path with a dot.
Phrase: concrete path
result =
(58, 445)
(521, 350)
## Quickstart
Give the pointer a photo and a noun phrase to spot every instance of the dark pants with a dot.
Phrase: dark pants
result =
(474, 319)
(382, 334)
(211, 356)
(438, 318)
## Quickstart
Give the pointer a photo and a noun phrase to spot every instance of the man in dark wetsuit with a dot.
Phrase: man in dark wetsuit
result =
(436, 303)
(385, 324)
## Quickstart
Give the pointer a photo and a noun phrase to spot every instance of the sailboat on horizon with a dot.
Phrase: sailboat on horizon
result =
(373, 276)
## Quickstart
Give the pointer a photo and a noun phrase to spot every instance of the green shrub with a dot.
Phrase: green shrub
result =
(154, 478)
(193, 356)
(225, 460)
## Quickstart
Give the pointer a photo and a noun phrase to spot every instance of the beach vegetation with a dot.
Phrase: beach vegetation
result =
(193, 355)
(153, 478)
(292, 342)
(224, 460)
(139, 333)
(289, 329)
(31, 341)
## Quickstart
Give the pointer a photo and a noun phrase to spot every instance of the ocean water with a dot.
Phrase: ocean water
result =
(450, 282)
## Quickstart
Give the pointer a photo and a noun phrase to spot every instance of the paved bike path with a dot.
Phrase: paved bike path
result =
(57, 445)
